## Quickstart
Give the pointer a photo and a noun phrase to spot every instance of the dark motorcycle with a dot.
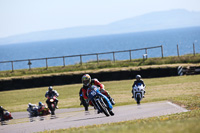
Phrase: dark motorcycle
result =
(100, 101)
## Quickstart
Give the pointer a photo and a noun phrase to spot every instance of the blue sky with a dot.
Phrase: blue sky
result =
(24, 16)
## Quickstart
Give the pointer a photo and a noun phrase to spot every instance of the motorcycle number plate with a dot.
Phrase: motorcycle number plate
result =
(93, 93)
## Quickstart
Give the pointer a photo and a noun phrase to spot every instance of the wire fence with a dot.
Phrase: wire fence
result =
(113, 54)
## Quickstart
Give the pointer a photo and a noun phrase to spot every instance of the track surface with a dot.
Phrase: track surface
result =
(67, 118)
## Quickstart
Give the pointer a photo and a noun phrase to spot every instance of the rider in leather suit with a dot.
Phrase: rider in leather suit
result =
(88, 82)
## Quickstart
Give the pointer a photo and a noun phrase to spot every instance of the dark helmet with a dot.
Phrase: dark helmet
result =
(50, 88)
(40, 103)
(86, 79)
(138, 77)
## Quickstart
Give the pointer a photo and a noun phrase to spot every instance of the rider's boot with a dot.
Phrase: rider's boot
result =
(56, 104)
(144, 94)
(86, 107)
(133, 94)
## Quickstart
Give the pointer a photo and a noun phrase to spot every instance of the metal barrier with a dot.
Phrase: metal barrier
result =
(81, 61)
(189, 70)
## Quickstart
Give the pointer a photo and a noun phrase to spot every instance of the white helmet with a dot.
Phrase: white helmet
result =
(138, 77)
(50, 88)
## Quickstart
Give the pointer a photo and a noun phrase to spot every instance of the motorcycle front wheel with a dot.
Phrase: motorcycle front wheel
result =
(138, 100)
(104, 109)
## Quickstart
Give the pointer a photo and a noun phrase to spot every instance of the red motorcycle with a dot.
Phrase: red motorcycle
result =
(52, 104)
(43, 111)
(6, 116)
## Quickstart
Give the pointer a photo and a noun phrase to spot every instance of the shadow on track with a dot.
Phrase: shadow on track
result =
(88, 118)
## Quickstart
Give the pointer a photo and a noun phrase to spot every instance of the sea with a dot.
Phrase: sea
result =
(169, 39)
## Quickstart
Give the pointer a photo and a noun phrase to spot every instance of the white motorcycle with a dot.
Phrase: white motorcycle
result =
(138, 92)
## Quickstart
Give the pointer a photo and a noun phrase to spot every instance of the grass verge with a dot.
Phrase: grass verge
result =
(184, 90)
(93, 65)
(179, 89)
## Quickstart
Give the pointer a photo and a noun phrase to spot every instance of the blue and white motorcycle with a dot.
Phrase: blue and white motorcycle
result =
(100, 101)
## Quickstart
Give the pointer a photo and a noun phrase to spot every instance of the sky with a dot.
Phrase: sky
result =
(25, 16)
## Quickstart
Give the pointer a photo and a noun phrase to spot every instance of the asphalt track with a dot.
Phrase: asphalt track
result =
(76, 117)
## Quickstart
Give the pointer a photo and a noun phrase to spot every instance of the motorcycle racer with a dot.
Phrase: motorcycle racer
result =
(88, 82)
(51, 93)
(138, 80)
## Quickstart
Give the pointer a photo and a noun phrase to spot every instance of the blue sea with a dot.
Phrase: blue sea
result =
(184, 37)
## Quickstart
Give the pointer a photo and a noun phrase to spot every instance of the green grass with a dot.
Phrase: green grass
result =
(183, 90)
(158, 89)
(93, 65)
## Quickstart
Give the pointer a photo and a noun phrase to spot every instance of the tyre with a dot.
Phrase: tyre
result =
(52, 109)
(138, 100)
(104, 109)
(111, 113)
